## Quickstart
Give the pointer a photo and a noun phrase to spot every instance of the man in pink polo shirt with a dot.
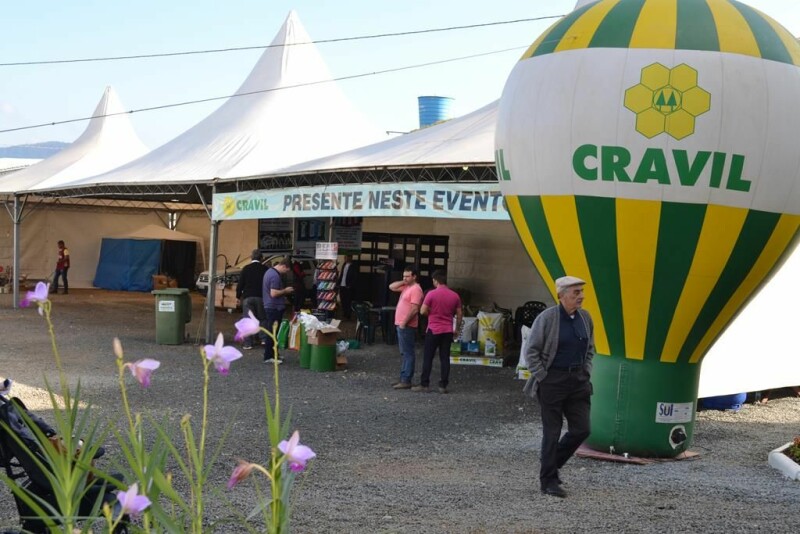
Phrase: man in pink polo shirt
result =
(440, 305)
(406, 318)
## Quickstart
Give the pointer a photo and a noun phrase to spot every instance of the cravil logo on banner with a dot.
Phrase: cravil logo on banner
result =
(649, 148)
(460, 201)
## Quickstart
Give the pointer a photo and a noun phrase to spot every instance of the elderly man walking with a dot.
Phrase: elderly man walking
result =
(559, 355)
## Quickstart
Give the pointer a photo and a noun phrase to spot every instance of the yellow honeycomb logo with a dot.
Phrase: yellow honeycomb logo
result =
(228, 207)
(667, 100)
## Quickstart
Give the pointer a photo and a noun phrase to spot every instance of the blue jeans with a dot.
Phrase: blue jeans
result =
(405, 340)
(255, 305)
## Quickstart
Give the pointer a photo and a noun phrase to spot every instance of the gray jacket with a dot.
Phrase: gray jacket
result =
(543, 344)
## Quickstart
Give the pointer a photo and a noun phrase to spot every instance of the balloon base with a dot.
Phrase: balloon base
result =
(643, 408)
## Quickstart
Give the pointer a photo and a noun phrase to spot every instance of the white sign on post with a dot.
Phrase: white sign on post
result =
(327, 250)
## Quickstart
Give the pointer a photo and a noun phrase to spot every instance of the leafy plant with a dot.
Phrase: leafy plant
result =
(793, 451)
(151, 495)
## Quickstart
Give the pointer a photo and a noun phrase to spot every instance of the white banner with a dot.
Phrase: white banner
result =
(458, 201)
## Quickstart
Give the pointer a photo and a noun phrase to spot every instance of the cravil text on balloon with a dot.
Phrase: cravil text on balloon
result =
(616, 163)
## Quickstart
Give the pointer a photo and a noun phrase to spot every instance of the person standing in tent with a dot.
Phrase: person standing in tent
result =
(441, 305)
(274, 296)
(559, 355)
(406, 318)
(347, 283)
(62, 266)
(249, 292)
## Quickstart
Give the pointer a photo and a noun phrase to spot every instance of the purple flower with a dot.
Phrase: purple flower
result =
(142, 369)
(240, 472)
(296, 454)
(38, 295)
(246, 326)
(132, 503)
(220, 355)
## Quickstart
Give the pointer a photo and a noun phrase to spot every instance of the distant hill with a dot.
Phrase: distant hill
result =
(34, 151)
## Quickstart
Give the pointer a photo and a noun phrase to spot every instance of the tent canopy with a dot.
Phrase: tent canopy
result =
(107, 142)
(293, 112)
(466, 140)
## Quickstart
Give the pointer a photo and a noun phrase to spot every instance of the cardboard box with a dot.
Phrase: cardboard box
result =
(160, 281)
(225, 297)
(325, 336)
(341, 361)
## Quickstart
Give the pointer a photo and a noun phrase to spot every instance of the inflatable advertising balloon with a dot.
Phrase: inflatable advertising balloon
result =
(651, 148)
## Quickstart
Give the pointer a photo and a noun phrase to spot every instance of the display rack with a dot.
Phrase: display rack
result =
(326, 286)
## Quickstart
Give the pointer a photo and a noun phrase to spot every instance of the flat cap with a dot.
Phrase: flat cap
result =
(568, 281)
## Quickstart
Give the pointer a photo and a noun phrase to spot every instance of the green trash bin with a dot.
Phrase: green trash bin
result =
(305, 349)
(323, 358)
(173, 311)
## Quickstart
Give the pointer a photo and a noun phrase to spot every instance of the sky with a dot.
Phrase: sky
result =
(38, 30)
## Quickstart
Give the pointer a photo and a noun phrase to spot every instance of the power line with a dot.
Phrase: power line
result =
(262, 47)
(248, 93)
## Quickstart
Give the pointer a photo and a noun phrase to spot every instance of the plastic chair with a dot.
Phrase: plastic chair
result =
(525, 315)
(365, 327)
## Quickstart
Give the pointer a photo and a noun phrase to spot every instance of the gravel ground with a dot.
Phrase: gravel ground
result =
(397, 461)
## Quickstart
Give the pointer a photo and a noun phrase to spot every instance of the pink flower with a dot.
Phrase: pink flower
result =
(142, 369)
(296, 454)
(38, 295)
(246, 326)
(132, 503)
(240, 472)
(220, 355)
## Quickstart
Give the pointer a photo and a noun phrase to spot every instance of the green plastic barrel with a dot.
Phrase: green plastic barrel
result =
(323, 358)
(173, 311)
(305, 350)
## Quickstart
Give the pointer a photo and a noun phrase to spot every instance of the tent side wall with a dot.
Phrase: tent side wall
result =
(81, 228)
(128, 264)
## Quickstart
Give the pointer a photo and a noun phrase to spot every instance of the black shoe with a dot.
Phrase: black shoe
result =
(554, 489)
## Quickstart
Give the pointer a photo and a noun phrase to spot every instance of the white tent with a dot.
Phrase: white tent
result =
(293, 112)
(9, 165)
(107, 142)
(467, 140)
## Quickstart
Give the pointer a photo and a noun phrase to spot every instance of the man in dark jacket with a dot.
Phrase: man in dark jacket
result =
(559, 355)
(248, 291)
(347, 284)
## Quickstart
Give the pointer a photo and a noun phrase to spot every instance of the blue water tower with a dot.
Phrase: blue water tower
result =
(433, 109)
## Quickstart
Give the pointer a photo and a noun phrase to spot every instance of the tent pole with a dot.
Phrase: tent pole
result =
(212, 285)
(17, 218)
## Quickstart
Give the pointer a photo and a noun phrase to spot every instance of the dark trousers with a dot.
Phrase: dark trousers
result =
(271, 316)
(346, 296)
(63, 274)
(255, 305)
(563, 394)
(433, 342)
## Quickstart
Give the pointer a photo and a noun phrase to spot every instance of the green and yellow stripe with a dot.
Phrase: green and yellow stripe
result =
(780, 244)
(663, 278)
(710, 25)
(637, 239)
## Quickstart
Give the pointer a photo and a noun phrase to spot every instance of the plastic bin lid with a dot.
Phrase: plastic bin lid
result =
(171, 291)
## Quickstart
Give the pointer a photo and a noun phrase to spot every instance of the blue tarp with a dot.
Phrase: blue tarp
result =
(127, 264)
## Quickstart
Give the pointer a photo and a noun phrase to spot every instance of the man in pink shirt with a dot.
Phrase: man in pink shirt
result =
(440, 305)
(406, 318)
